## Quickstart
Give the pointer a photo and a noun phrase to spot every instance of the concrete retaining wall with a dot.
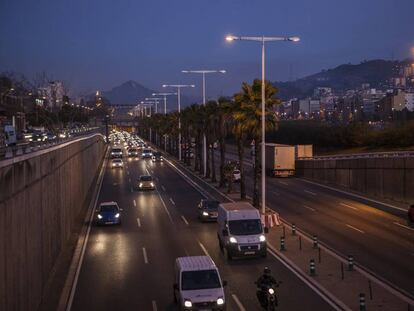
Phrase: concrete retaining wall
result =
(42, 198)
(387, 178)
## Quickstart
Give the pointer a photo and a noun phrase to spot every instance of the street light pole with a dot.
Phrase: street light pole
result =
(178, 87)
(165, 111)
(203, 73)
(262, 40)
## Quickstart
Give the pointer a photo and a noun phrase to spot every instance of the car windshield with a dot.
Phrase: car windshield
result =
(117, 161)
(245, 227)
(212, 205)
(147, 151)
(132, 150)
(109, 209)
(236, 172)
(116, 150)
(145, 178)
(204, 279)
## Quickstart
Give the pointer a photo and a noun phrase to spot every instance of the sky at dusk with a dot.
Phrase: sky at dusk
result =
(101, 44)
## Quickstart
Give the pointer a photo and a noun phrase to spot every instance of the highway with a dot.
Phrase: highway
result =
(130, 267)
(379, 241)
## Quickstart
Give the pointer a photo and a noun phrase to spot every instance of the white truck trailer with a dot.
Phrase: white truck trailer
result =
(280, 160)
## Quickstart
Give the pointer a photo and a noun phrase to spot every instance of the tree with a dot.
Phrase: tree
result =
(248, 115)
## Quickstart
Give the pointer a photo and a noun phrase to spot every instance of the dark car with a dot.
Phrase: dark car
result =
(146, 154)
(108, 213)
(410, 213)
(207, 210)
(145, 182)
(116, 153)
(157, 157)
(132, 152)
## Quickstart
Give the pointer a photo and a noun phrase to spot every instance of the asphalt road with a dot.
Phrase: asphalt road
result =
(130, 267)
(380, 241)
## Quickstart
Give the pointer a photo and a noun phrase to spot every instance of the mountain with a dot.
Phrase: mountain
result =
(344, 77)
(129, 92)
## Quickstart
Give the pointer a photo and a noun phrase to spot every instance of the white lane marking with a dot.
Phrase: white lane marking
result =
(356, 229)
(185, 220)
(139, 222)
(147, 171)
(165, 206)
(349, 206)
(154, 306)
(354, 195)
(403, 226)
(310, 192)
(132, 190)
(144, 253)
(283, 183)
(172, 201)
(135, 203)
(204, 249)
(316, 287)
(129, 179)
(309, 208)
(127, 172)
(238, 303)
(275, 193)
(163, 188)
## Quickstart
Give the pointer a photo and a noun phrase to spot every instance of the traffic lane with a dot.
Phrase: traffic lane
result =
(241, 274)
(116, 268)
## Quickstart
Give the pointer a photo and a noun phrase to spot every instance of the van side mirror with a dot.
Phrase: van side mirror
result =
(225, 232)
(266, 230)
(175, 286)
(224, 283)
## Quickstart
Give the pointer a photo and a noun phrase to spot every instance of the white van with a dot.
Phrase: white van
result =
(198, 285)
(240, 231)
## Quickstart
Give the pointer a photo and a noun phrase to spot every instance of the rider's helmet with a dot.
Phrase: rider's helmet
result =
(266, 271)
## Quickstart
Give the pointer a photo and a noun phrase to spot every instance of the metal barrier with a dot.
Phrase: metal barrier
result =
(389, 154)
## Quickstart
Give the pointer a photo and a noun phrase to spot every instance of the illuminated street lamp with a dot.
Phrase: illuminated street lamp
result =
(262, 40)
(178, 87)
(165, 99)
(203, 73)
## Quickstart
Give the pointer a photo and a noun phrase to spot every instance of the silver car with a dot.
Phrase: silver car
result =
(145, 182)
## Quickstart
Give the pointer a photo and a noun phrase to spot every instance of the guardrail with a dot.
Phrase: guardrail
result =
(28, 147)
(389, 154)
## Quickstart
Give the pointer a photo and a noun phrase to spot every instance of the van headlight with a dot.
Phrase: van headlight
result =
(220, 301)
(99, 216)
(232, 239)
(187, 304)
(140, 184)
(271, 291)
(262, 238)
(117, 215)
(152, 184)
(205, 214)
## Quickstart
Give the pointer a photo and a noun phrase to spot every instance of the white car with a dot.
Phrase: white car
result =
(117, 163)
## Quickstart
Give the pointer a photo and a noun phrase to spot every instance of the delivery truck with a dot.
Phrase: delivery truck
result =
(280, 160)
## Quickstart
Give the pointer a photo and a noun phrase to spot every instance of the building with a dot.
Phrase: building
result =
(398, 100)
(52, 96)
(322, 91)
(409, 101)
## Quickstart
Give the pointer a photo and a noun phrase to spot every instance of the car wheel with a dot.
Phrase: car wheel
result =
(227, 255)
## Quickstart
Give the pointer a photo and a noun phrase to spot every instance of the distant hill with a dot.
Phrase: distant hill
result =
(129, 92)
(344, 77)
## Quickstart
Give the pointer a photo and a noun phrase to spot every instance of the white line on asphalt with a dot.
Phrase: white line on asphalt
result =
(172, 201)
(132, 190)
(154, 306)
(204, 249)
(127, 172)
(238, 303)
(163, 188)
(139, 222)
(147, 171)
(354, 195)
(352, 227)
(316, 287)
(129, 179)
(283, 183)
(349, 206)
(309, 208)
(275, 193)
(165, 207)
(310, 192)
(144, 253)
(185, 220)
(135, 203)
(403, 226)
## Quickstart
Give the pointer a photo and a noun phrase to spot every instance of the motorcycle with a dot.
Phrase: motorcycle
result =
(267, 297)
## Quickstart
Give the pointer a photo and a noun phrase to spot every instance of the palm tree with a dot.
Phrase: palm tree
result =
(223, 114)
(249, 114)
(212, 119)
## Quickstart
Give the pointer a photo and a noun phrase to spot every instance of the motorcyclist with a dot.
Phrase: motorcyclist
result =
(264, 282)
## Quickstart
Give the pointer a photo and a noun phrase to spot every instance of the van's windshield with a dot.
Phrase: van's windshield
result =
(203, 279)
(245, 227)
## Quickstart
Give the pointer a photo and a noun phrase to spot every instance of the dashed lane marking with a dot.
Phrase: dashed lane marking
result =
(204, 249)
(348, 206)
(403, 226)
(163, 188)
(154, 305)
(310, 192)
(283, 183)
(135, 203)
(309, 208)
(139, 222)
(172, 201)
(354, 228)
(185, 220)
(144, 253)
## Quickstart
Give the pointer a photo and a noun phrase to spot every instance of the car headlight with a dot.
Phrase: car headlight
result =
(152, 184)
(220, 301)
(99, 216)
(140, 184)
(187, 304)
(271, 291)
(232, 239)
(117, 215)
(205, 214)
(262, 238)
